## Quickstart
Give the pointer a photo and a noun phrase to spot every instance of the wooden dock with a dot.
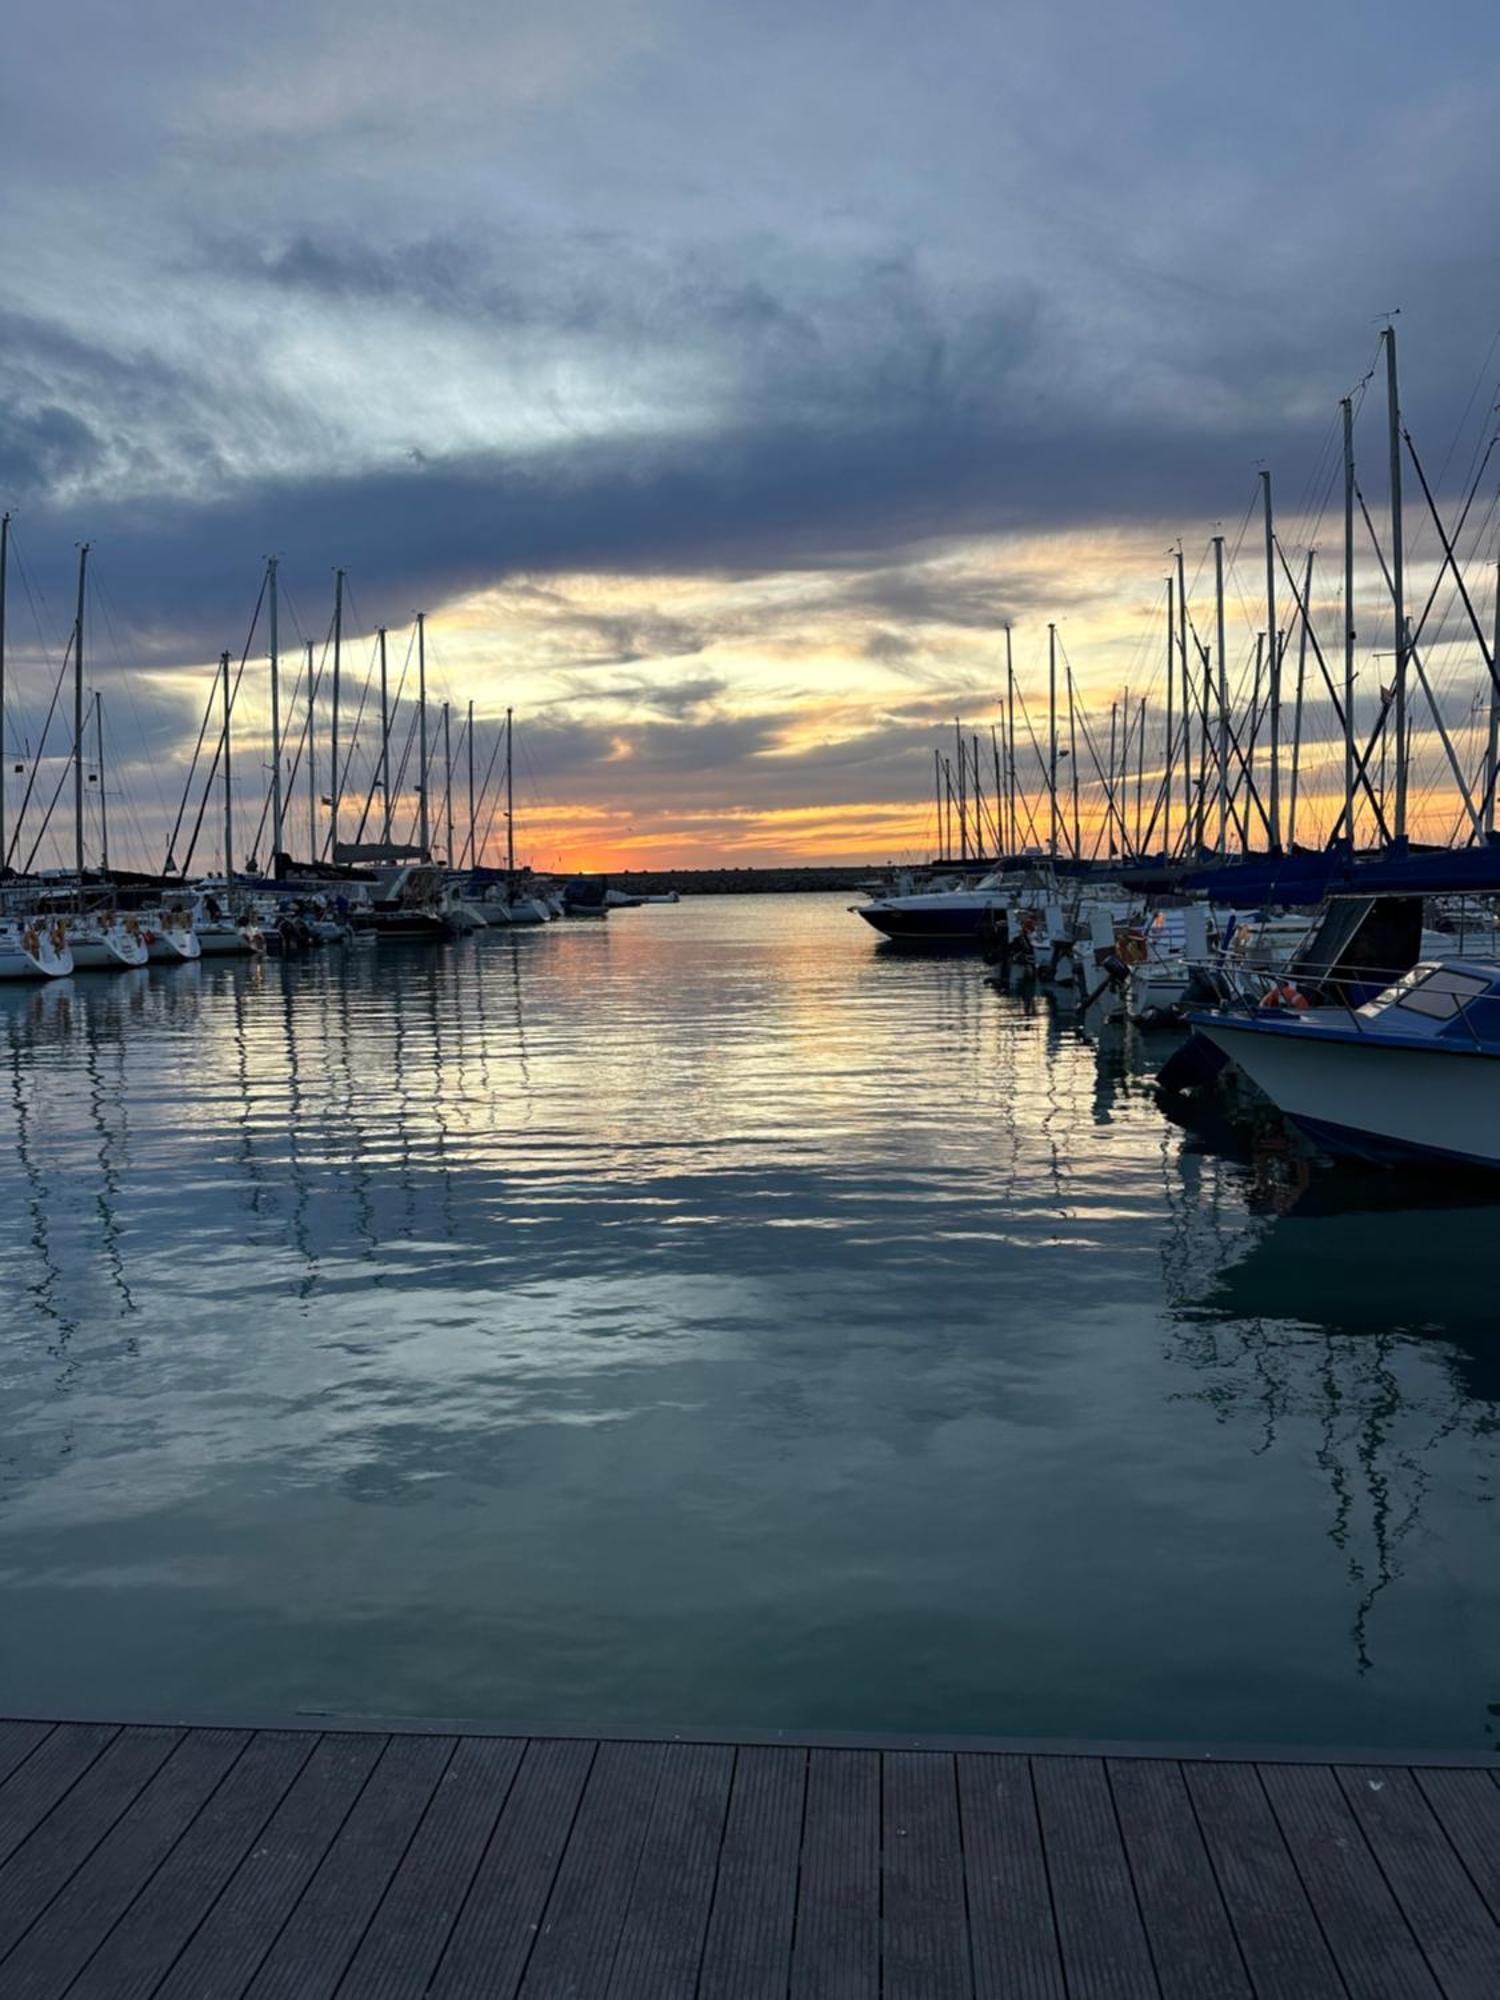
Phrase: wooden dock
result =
(303, 1862)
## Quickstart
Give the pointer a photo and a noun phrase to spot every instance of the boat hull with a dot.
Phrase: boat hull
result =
(227, 943)
(174, 947)
(1374, 1102)
(110, 951)
(920, 920)
(19, 960)
(404, 927)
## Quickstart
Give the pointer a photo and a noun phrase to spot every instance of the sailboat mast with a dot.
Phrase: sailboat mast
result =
(385, 742)
(1073, 771)
(228, 787)
(1109, 786)
(334, 780)
(277, 837)
(1170, 759)
(1010, 745)
(939, 853)
(4, 574)
(312, 775)
(510, 803)
(103, 807)
(1052, 739)
(1223, 814)
(1187, 705)
(963, 791)
(1347, 406)
(1492, 757)
(996, 765)
(1398, 575)
(447, 786)
(83, 563)
(422, 831)
(1140, 780)
(1291, 819)
(469, 739)
(1274, 806)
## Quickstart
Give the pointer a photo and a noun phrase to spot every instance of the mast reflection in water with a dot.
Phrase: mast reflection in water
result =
(705, 1318)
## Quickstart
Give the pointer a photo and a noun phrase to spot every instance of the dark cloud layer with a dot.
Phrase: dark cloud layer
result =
(459, 299)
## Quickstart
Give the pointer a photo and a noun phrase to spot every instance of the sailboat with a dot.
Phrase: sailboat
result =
(99, 940)
(34, 948)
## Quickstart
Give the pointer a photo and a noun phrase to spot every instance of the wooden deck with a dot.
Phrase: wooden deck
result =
(211, 1862)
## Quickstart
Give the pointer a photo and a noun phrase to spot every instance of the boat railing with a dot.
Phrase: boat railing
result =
(1253, 989)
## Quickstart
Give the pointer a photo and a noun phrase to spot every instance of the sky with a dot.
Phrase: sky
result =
(720, 381)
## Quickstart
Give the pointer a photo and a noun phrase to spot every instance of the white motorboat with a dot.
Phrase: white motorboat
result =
(1175, 941)
(102, 942)
(34, 948)
(221, 935)
(1412, 1074)
(967, 915)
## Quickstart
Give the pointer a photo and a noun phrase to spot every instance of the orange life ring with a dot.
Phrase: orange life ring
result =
(30, 941)
(1285, 994)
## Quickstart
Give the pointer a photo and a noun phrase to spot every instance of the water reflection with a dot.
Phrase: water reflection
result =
(705, 1317)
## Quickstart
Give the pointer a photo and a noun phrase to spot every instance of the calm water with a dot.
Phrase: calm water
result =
(707, 1318)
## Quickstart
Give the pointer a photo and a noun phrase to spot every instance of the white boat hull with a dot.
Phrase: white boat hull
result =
(225, 941)
(107, 950)
(173, 947)
(1374, 1102)
(30, 952)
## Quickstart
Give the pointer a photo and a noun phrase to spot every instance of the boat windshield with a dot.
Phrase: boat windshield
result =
(1438, 991)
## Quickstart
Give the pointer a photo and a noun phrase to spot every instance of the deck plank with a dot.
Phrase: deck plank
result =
(748, 1953)
(79, 1919)
(580, 1931)
(836, 1946)
(666, 1922)
(225, 1952)
(407, 1933)
(1467, 1804)
(36, 1785)
(488, 1948)
(1104, 1948)
(57, 1847)
(1284, 1949)
(924, 1951)
(143, 1945)
(1443, 1909)
(1368, 1935)
(1012, 1935)
(310, 1956)
(1191, 1938)
(18, 1740)
(152, 1863)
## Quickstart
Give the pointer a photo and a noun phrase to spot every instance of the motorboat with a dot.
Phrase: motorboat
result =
(972, 914)
(221, 933)
(34, 948)
(1413, 1073)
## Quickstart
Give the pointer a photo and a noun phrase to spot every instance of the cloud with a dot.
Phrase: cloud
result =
(714, 374)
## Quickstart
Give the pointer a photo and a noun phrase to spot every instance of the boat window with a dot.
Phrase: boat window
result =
(1442, 994)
